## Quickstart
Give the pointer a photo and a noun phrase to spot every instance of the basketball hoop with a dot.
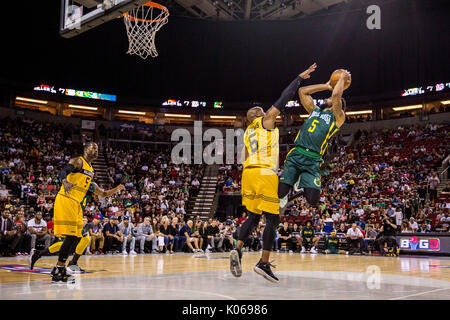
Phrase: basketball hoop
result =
(142, 23)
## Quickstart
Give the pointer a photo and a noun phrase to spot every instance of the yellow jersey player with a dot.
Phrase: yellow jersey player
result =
(76, 178)
(260, 180)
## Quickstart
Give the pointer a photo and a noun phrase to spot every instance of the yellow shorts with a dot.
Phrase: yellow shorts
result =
(68, 217)
(259, 189)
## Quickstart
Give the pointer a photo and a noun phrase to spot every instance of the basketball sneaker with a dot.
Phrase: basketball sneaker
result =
(74, 269)
(303, 250)
(35, 256)
(59, 275)
(283, 202)
(263, 269)
(235, 262)
(313, 250)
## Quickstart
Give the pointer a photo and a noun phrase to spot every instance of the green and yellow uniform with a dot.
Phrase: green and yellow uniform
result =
(311, 142)
(68, 209)
(308, 235)
(332, 244)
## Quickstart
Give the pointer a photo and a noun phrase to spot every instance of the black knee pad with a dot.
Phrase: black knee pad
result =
(272, 222)
(312, 196)
(248, 226)
(66, 247)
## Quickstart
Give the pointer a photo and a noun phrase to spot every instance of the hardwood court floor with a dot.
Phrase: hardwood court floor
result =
(207, 276)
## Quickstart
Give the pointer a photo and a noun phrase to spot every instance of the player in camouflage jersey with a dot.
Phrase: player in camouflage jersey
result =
(302, 165)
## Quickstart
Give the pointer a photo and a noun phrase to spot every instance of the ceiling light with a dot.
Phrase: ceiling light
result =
(31, 100)
(417, 106)
(83, 107)
(174, 115)
(352, 113)
(222, 117)
(140, 113)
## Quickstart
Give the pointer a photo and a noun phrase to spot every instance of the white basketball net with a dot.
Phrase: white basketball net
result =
(142, 24)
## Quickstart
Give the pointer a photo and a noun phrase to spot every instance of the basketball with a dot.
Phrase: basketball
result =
(335, 78)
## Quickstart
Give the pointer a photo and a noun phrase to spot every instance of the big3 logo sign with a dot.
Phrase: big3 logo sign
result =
(415, 243)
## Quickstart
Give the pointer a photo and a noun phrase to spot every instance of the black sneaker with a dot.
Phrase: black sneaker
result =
(73, 268)
(34, 256)
(235, 262)
(263, 269)
(59, 275)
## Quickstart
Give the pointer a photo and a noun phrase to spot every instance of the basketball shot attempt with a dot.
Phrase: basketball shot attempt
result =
(260, 180)
(302, 165)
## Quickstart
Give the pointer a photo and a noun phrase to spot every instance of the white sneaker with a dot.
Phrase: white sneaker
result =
(124, 253)
(290, 251)
(88, 252)
(303, 250)
(313, 250)
(133, 253)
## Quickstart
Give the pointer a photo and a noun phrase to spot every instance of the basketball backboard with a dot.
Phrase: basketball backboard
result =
(78, 16)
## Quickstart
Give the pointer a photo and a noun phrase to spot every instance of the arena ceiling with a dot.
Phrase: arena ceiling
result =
(249, 9)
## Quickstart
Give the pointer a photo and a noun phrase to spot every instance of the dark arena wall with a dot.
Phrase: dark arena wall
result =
(236, 61)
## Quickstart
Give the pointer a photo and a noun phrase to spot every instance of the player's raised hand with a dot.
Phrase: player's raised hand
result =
(305, 74)
(346, 75)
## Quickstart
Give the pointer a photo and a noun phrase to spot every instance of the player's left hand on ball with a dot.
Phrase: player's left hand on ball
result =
(305, 74)
(346, 75)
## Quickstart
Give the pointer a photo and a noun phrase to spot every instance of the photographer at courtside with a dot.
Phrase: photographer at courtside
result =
(387, 230)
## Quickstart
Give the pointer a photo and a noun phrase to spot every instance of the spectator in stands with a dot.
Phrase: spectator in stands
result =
(113, 236)
(433, 182)
(371, 236)
(354, 239)
(242, 218)
(285, 236)
(127, 230)
(174, 233)
(406, 227)
(185, 237)
(398, 217)
(228, 236)
(423, 228)
(9, 235)
(4, 193)
(444, 222)
(145, 233)
(214, 237)
(164, 239)
(37, 229)
(24, 238)
(96, 234)
(414, 225)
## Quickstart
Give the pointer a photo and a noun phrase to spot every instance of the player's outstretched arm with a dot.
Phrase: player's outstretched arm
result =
(287, 95)
(104, 194)
(336, 98)
(306, 92)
